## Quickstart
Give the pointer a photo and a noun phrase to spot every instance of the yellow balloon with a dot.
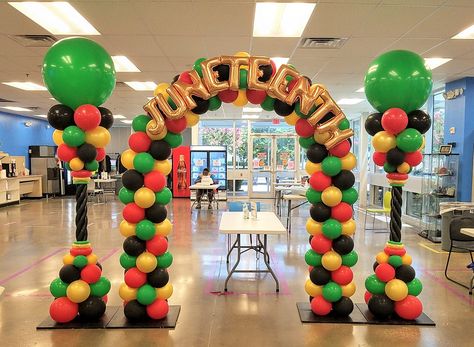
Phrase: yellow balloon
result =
(127, 158)
(127, 293)
(146, 262)
(99, 137)
(164, 292)
(384, 141)
(313, 227)
(381, 257)
(423, 143)
(349, 227)
(312, 289)
(144, 197)
(242, 54)
(311, 167)
(396, 289)
(161, 89)
(331, 261)
(349, 161)
(191, 119)
(76, 164)
(58, 137)
(321, 138)
(78, 291)
(331, 196)
(164, 228)
(406, 259)
(241, 98)
(403, 168)
(163, 166)
(349, 289)
(292, 118)
(127, 229)
(92, 259)
(159, 136)
(68, 259)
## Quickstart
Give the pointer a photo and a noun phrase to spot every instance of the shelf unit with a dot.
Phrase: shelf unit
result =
(9, 191)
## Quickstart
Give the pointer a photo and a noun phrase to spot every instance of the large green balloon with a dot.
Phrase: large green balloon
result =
(374, 285)
(101, 287)
(415, 287)
(58, 288)
(312, 258)
(409, 140)
(74, 136)
(398, 79)
(79, 71)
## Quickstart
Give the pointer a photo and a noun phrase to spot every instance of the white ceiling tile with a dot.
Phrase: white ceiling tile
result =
(416, 45)
(274, 47)
(219, 45)
(450, 49)
(182, 46)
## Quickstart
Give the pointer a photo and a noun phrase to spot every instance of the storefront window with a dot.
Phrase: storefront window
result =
(414, 204)
(355, 125)
(241, 144)
(218, 133)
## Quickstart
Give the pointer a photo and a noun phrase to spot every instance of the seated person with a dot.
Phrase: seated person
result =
(205, 178)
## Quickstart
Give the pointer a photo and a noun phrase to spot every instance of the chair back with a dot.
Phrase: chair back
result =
(91, 186)
(387, 201)
(238, 206)
(455, 228)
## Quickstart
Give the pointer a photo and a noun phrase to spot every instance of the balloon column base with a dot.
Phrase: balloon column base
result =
(307, 316)
(423, 319)
(80, 323)
(119, 321)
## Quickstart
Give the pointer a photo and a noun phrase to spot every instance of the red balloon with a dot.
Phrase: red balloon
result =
(394, 120)
(385, 272)
(341, 149)
(81, 173)
(292, 84)
(105, 298)
(413, 158)
(228, 96)
(395, 251)
(80, 251)
(310, 268)
(256, 97)
(175, 125)
(342, 212)
(367, 296)
(63, 310)
(157, 245)
(321, 244)
(319, 181)
(87, 117)
(66, 153)
(158, 309)
(134, 278)
(91, 273)
(320, 306)
(100, 154)
(139, 142)
(185, 77)
(379, 158)
(303, 128)
(155, 181)
(343, 275)
(409, 308)
(132, 213)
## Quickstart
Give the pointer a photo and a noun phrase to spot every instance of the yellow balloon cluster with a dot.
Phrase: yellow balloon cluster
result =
(383, 141)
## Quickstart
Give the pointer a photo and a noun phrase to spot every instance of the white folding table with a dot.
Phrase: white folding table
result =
(199, 186)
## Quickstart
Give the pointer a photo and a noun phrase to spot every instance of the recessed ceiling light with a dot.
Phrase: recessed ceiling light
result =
(141, 86)
(250, 116)
(349, 101)
(252, 109)
(281, 19)
(58, 17)
(40, 115)
(433, 63)
(466, 34)
(25, 85)
(360, 90)
(123, 64)
(127, 121)
(118, 116)
(16, 108)
(280, 61)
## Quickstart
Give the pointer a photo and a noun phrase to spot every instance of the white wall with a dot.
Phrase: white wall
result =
(119, 140)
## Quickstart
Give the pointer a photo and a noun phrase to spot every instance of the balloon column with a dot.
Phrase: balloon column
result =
(80, 74)
(397, 83)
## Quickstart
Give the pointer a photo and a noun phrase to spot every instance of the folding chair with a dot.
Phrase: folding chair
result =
(385, 211)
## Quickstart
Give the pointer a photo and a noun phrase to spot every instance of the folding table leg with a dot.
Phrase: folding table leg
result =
(266, 259)
(236, 264)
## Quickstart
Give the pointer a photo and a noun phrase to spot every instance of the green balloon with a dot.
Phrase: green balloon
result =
(398, 79)
(143, 162)
(78, 71)
(126, 196)
(163, 196)
(301, 114)
(374, 285)
(344, 124)
(197, 66)
(101, 287)
(74, 136)
(174, 140)
(350, 259)
(145, 230)
(395, 260)
(165, 260)
(312, 258)
(331, 165)
(388, 168)
(127, 261)
(172, 103)
(332, 291)
(409, 140)
(415, 287)
(268, 104)
(80, 261)
(67, 166)
(92, 166)
(139, 123)
(313, 196)
(332, 229)
(243, 79)
(306, 142)
(146, 294)
(214, 103)
(350, 196)
(58, 288)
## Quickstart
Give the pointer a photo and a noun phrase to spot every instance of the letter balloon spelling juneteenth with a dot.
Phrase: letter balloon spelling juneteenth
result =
(397, 84)
(80, 74)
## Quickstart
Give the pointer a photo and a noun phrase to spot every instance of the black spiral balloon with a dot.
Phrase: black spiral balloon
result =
(396, 214)
(81, 212)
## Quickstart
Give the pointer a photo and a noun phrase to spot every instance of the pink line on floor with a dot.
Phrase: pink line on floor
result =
(446, 285)
(111, 253)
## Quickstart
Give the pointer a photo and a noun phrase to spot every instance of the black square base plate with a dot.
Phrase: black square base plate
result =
(119, 321)
(78, 323)
(394, 320)
(307, 316)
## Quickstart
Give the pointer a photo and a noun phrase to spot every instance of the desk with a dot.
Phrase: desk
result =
(214, 187)
(267, 223)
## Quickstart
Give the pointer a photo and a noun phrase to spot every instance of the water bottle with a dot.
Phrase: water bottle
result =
(245, 209)
(253, 211)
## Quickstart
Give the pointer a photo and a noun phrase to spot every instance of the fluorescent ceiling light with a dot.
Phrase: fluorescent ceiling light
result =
(250, 116)
(58, 17)
(466, 34)
(123, 64)
(252, 109)
(118, 116)
(360, 90)
(280, 61)
(127, 121)
(16, 108)
(40, 115)
(433, 63)
(349, 101)
(25, 85)
(281, 19)
(142, 86)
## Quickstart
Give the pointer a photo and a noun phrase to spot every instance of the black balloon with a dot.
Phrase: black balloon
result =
(419, 120)
(267, 71)
(316, 153)
(319, 275)
(309, 80)
(282, 108)
(135, 312)
(320, 212)
(311, 298)
(381, 306)
(202, 105)
(373, 123)
(156, 213)
(223, 71)
(99, 265)
(158, 277)
(374, 266)
(327, 116)
(134, 246)
(405, 273)
(175, 78)
(160, 150)
(86, 152)
(395, 157)
(343, 307)
(343, 244)
(92, 309)
(69, 273)
(310, 238)
(132, 179)
(60, 116)
(106, 118)
(343, 180)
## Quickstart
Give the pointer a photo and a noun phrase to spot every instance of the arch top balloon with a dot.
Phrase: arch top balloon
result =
(79, 71)
(398, 79)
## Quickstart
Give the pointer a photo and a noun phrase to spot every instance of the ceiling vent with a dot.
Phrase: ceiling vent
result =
(34, 40)
(6, 100)
(323, 42)
(120, 85)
